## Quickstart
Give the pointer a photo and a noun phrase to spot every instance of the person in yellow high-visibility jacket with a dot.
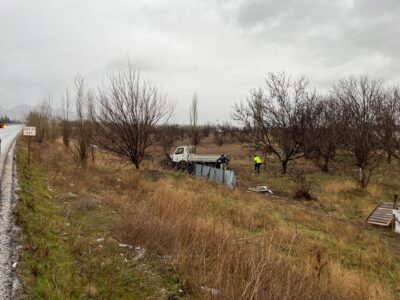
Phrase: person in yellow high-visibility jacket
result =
(257, 163)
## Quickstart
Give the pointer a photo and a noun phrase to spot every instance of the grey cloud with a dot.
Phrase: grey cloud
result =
(218, 48)
(331, 32)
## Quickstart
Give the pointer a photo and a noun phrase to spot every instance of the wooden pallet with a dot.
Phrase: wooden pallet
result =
(382, 215)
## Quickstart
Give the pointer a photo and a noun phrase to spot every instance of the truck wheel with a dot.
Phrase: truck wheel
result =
(190, 168)
(182, 166)
(167, 164)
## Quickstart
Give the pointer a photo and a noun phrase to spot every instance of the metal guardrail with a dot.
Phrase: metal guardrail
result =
(220, 176)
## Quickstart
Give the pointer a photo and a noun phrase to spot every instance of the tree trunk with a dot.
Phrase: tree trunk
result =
(166, 152)
(284, 166)
(389, 157)
(363, 178)
(325, 166)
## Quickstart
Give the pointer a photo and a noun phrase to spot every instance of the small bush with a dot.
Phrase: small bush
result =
(302, 187)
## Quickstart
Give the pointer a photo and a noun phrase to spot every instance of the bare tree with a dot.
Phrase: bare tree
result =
(166, 136)
(194, 114)
(223, 133)
(129, 110)
(41, 119)
(360, 99)
(206, 130)
(319, 126)
(388, 120)
(65, 123)
(219, 136)
(271, 117)
(84, 126)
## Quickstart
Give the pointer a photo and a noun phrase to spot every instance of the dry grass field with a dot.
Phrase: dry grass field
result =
(202, 241)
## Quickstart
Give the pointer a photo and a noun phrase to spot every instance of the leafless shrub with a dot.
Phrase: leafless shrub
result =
(83, 126)
(302, 186)
(224, 133)
(166, 136)
(65, 124)
(206, 130)
(86, 203)
(45, 123)
(182, 132)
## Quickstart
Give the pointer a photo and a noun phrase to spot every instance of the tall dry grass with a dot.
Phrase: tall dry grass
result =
(217, 261)
(223, 250)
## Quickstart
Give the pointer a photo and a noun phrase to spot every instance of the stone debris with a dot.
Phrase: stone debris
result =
(211, 291)
(125, 246)
(141, 254)
(71, 195)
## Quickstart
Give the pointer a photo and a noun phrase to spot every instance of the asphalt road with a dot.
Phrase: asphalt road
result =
(8, 242)
(7, 136)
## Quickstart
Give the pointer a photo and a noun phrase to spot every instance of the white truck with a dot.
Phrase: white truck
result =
(185, 157)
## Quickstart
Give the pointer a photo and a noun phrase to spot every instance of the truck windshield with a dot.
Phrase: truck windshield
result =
(179, 151)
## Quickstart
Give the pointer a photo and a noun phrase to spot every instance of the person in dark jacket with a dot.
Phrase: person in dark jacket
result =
(222, 161)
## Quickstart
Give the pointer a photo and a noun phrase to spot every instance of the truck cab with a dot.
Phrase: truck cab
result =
(182, 153)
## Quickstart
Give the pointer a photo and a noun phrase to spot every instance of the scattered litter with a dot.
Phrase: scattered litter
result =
(181, 291)
(211, 291)
(261, 189)
(100, 240)
(166, 258)
(72, 195)
(14, 265)
(141, 254)
(125, 246)
(125, 260)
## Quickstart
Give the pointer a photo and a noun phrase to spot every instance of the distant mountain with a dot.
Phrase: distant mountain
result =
(17, 113)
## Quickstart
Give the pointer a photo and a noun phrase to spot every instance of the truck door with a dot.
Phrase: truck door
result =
(179, 155)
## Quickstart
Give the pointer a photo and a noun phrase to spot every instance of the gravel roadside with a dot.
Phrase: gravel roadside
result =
(9, 284)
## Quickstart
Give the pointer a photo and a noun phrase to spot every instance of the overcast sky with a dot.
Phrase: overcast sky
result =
(219, 49)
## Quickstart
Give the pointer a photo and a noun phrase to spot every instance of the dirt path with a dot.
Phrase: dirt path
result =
(8, 245)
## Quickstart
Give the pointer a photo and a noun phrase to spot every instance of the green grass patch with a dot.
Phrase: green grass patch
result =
(62, 257)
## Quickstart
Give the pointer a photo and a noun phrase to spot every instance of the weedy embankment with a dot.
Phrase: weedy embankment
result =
(201, 240)
(69, 251)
